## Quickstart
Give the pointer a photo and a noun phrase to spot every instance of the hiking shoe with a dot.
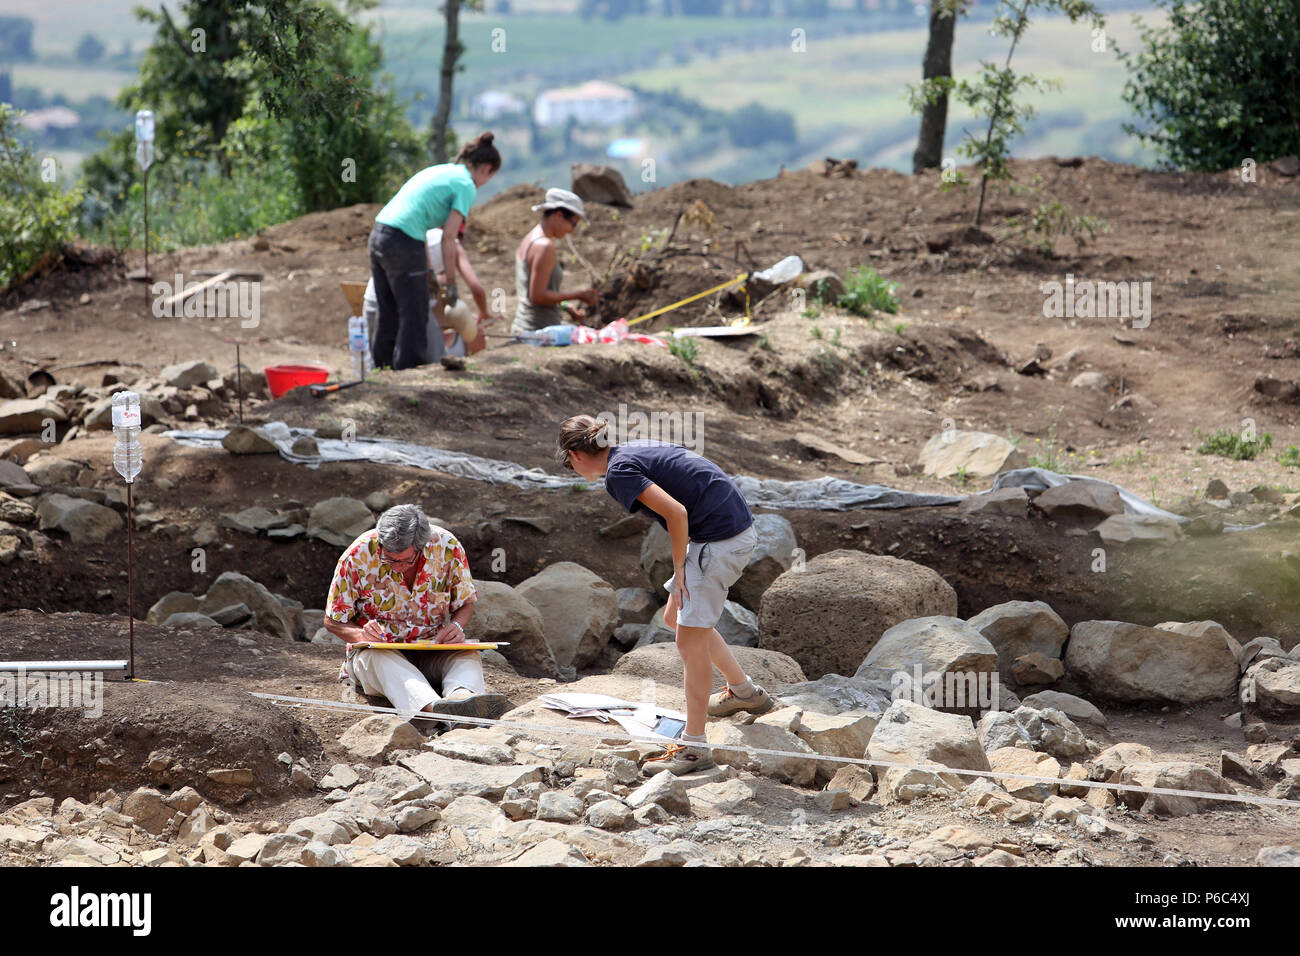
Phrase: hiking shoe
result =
(725, 702)
(679, 760)
(490, 706)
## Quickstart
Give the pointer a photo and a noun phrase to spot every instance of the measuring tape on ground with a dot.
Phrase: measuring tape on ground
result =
(994, 775)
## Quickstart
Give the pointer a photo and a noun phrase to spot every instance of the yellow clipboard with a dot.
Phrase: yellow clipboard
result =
(426, 646)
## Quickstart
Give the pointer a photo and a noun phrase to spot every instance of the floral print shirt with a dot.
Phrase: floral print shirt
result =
(367, 588)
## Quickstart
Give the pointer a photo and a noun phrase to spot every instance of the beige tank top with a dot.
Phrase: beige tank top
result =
(529, 317)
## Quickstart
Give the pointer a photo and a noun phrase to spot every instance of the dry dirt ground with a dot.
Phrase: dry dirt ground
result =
(1220, 255)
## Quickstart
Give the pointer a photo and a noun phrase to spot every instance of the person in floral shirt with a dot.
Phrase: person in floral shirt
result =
(408, 580)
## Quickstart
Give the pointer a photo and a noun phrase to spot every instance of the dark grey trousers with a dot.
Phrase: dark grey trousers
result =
(400, 268)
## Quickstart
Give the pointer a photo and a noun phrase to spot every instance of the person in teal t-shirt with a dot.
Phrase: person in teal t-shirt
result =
(435, 197)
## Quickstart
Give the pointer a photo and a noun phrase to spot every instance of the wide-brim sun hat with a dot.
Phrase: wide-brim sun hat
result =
(562, 199)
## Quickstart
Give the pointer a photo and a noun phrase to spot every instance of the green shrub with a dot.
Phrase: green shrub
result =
(866, 293)
(1226, 444)
(686, 349)
(36, 217)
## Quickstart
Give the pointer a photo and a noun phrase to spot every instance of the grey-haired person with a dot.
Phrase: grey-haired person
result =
(409, 580)
(538, 272)
(713, 537)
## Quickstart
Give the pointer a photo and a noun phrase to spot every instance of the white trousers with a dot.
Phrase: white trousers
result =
(409, 684)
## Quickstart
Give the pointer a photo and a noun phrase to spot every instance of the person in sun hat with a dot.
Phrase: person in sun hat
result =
(538, 272)
(408, 580)
(713, 537)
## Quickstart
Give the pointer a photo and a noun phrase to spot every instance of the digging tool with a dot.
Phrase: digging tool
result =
(320, 391)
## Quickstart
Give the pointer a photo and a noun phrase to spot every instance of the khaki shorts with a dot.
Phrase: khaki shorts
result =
(711, 568)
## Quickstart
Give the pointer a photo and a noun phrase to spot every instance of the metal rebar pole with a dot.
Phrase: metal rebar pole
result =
(147, 283)
(239, 383)
(130, 583)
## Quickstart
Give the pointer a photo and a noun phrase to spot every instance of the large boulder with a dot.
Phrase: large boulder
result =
(662, 663)
(636, 605)
(1028, 763)
(1084, 499)
(173, 602)
(773, 555)
(234, 588)
(246, 440)
(940, 661)
(50, 471)
(579, 612)
(503, 614)
(1273, 687)
(1052, 732)
(29, 415)
(84, 522)
(1125, 529)
(738, 625)
(188, 374)
(1135, 664)
(835, 694)
(602, 184)
(339, 521)
(795, 769)
(977, 454)
(1018, 628)
(1175, 775)
(999, 730)
(837, 735)
(376, 736)
(1210, 631)
(1077, 709)
(829, 615)
(911, 733)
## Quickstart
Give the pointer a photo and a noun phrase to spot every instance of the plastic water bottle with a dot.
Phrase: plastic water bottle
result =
(128, 455)
(550, 335)
(358, 345)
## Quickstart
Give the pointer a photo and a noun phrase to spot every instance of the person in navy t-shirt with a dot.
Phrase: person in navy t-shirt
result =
(713, 537)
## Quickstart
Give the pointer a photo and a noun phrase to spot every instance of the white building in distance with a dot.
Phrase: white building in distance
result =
(596, 102)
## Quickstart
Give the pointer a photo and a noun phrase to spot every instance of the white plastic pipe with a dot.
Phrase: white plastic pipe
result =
(7, 666)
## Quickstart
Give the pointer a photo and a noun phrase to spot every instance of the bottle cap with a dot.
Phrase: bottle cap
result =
(126, 410)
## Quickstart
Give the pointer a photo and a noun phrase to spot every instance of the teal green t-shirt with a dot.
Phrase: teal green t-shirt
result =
(428, 197)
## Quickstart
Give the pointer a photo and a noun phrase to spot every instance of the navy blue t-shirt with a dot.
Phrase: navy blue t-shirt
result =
(715, 509)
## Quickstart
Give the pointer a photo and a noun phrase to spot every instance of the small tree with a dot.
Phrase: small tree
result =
(442, 140)
(89, 49)
(936, 69)
(1218, 83)
(994, 93)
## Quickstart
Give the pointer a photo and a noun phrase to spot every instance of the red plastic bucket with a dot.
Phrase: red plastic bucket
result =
(281, 378)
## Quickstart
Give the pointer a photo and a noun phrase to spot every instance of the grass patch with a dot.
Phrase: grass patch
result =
(687, 349)
(1226, 444)
(866, 293)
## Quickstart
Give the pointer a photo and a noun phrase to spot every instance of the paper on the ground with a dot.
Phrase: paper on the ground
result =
(586, 702)
(637, 718)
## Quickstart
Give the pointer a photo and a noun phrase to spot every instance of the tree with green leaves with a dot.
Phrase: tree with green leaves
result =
(1218, 83)
(285, 86)
(36, 215)
(994, 94)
